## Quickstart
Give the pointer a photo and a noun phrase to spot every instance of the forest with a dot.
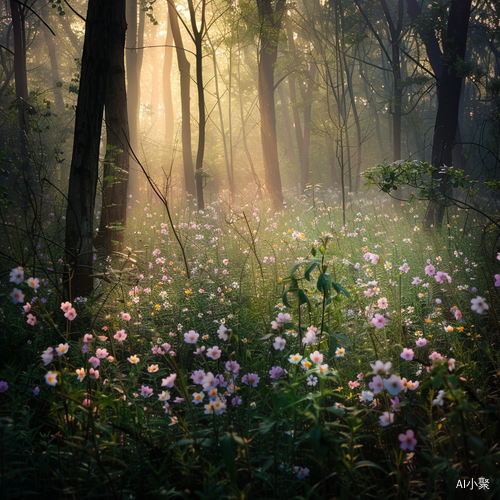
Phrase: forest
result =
(250, 249)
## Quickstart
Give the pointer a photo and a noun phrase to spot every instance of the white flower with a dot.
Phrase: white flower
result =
(394, 385)
(479, 305)
(279, 343)
(366, 396)
(439, 399)
(381, 368)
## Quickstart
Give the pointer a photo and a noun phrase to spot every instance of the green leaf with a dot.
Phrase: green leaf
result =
(285, 299)
(324, 283)
(309, 270)
(340, 289)
(302, 297)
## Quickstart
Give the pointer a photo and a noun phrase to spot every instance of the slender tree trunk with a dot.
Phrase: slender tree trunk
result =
(85, 159)
(56, 79)
(116, 169)
(270, 20)
(167, 85)
(285, 117)
(184, 70)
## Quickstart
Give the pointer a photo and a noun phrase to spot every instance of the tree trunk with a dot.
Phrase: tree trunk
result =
(270, 20)
(116, 169)
(167, 86)
(134, 65)
(184, 70)
(449, 91)
(85, 158)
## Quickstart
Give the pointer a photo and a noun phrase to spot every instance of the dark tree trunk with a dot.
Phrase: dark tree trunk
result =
(85, 159)
(184, 70)
(270, 20)
(115, 176)
(449, 91)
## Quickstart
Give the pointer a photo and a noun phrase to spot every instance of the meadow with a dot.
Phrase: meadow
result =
(276, 355)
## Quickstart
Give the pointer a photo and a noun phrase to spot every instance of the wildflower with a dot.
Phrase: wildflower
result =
(439, 399)
(435, 356)
(17, 296)
(377, 384)
(62, 349)
(440, 277)
(478, 304)
(408, 441)
(382, 303)
(120, 335)
(386, 418)
(421, 342)
(125, 316)
(87, 337)
(95, 362)
(316, 356)
(497, 280)
(94, 374)
(214, 352)
(146, 391)
(4, 386)
(312, 380)
(407, 354)
(404, 268)
(51, 378)
(301, 472)
(36, 391)
(395, 402)
(198, 397)
(416, 281)
(70, 314)
(27, 307)
(379, 321)
(102, 353)
(198, 376)
(451, 364)
(393, 385)
(48, 355)
(275, 372)
(164, 396)
(366, 396)
(169, 381)
(222, 333)
(17, 275)
(191, 337)
(279, 343)
(233, 367)
(295, 358)
(413, 385)
(152, 368)
(339, 352)
(251, 379)
(31, 320)
(81, 374)
(306, 364)
(310, 337)
(353, 384)
(430, 270)
(381, 368)
(66, 306)
(323, 369)
(134, 359)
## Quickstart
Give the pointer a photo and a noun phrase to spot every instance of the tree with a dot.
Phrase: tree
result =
(270, 27)
(116, 166)
(449, 91)
(85, 158)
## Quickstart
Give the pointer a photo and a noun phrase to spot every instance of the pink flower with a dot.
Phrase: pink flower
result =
(413, 385)
(51, 378)
(33, 283)
(214, 352)
(146, 391)
(95, 362)
(125, 316)
(102, 353)
(416, 281)
(191, 337)
(87, 337)
(251, 379)
(70, 314)
(478, 304)
(62, 349)
(367, 256)
(279, 343)
(374, 259)
(48, 355)
(377, 384)
(120, 335)
(17, 275)
(430, 270)
(421, 342)
(368, 293)
(316, 357)
(451, 364)
(379, 321)
(440, 277)
(81, 373)
(66, 306)
(395, 403)
(386, 418)
(27, 307)
(497, 278)
(382, 303)
(404, 268)
(169, 381)
(352, 384)
(408, 441)
(31, 320)
(407, 354)
(435, 356)
(94, 374)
